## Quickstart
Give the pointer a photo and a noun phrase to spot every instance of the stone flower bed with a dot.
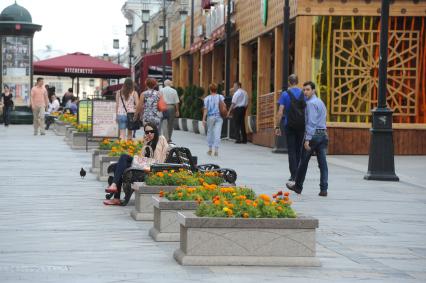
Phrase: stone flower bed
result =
(167, 205)
(240, 231)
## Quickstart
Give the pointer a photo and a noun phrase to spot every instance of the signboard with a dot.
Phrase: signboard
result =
(104, 119)
(16, 67)
(264, 11)
(84, 114)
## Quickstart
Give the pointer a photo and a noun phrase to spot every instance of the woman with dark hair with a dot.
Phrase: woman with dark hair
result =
(152, 140)
(6, 98)
(148, 104)
(126, 100)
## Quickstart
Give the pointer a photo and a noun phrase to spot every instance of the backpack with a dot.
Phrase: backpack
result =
(296, 113)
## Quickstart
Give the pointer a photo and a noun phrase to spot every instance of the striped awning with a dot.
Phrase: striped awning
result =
(207, 47)
(196, 46)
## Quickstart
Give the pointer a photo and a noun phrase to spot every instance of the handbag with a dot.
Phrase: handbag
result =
(141, 161)
(161, 105)
(131, 123)
(222, 109)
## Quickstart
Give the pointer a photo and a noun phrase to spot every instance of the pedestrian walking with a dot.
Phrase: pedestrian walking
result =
(238, 109)
(39, 103)
(6, 99)
(212, 119)
(172, 100)
(291, 122)
(126, 100)
(316, 140)
(148, 104)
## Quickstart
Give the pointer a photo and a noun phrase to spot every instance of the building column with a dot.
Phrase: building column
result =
(234, 60)
(303, 48)
(245, 72)
(264, 44)
(278, 62)
(196, 68)
(175, 72)
(218, 64)
(206, 71)
(183, 71)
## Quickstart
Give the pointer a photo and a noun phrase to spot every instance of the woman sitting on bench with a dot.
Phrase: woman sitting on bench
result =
(153, 141)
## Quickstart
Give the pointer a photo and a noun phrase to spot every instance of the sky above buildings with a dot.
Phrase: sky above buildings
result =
(87, 26)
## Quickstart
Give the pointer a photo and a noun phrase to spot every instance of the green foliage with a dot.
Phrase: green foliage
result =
(208, 192)
(182, 177)
(191, 102)
(241, 207)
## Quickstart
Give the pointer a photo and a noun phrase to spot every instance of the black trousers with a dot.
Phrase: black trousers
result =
(294, 147)
(123, 163)
(240, 125)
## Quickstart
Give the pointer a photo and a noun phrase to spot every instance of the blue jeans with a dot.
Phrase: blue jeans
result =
(6, 115)
(122, 122)
(318, 144)
(214, 129)
(294, 146)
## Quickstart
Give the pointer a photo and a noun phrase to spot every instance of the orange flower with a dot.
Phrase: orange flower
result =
(248, 202)
(161, 194)
(255, 204)
(265, 197)
(160, 174)
(216, 202)
(279, 208)
(180, 195)
(245, 215)
(280, 193)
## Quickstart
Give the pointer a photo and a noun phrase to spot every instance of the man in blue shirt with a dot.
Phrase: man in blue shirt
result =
(315, 140)
(294, 135)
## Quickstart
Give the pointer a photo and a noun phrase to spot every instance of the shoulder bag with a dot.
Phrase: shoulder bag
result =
(132, 124)
(142, 162)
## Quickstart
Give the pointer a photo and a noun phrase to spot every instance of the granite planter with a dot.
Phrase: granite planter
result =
(69, 130)
(104, 162)
(78, 141)
(166, 226)
(144, 209)
(240, 241)
(59, 128)
(96, 161)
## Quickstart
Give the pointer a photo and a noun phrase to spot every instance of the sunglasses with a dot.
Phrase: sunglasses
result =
(149, 132)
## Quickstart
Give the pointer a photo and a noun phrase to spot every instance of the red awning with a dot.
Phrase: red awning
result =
(196, 46)
(207, 47)
(80, 65)
(206, 4)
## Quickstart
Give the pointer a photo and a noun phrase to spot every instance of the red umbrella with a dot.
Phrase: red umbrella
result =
(79, 65)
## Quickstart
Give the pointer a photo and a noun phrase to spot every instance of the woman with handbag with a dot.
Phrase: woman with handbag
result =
(126, 100)
(151, 104)
(154, 151)
(6, 98)
(213, 113)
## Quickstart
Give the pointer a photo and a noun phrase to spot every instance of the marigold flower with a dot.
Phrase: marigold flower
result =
(180, 195)
(286, 194)
(161, 194)
(245, 215)
(264, 197)
(225, 209)
(279, 208)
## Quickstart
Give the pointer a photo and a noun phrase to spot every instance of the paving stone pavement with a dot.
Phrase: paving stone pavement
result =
(54, 228)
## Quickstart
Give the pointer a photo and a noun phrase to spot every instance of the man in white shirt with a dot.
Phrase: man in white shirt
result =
(239, 107)
(172, 100)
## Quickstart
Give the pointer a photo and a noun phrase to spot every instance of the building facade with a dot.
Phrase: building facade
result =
(334, 43)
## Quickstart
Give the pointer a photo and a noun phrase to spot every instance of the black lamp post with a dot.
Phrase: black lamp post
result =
(280, 141)
(129, 33)
(228, 50)
(381, 164)
(191, 41)
(116, 45)
(164, 41)
(145, 21)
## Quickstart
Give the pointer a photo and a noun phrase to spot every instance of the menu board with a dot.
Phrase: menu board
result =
(104, 119)
(16, 67)
(84, 112)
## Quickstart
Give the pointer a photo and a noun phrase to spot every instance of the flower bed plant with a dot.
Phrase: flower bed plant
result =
(129, 147)
(68, 118)
(183, 177)
(240, 207)
(207, 192)
(83, 128)
(106, 144)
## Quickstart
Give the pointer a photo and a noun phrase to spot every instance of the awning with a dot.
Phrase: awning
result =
(218, 33)
(207, 47)
(80, 65)
(196, 46)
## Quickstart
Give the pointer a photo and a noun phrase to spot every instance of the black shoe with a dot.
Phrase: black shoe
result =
(322, 193)
(238, 142)
(291, 179)
(244, 142)
(292, 187)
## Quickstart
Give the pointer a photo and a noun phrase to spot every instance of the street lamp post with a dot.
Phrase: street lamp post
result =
(228, 50)
(164, 41)
(116, 45)
(129, 33)
(191, 41)
(381, 163)
(145, 21)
